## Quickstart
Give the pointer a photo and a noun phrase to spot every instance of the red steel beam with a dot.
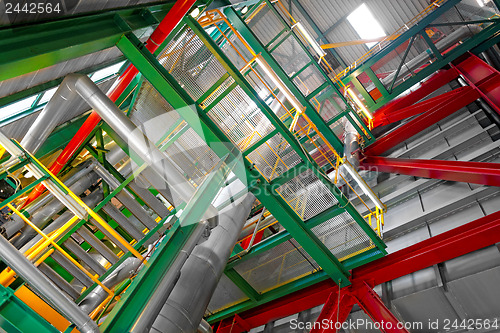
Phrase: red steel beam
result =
(458, 171)
(436, 81)
(484, 78)
(381, 119)
(334, 313)
(460, 98)
(373, 306)
(173, 17)
(467, 238)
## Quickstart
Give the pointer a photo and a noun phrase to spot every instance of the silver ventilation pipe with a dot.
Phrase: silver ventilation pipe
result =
(50, 117)
(42, 211)
(200, 274)
(35, 278)
(90, 200)
(443, 44)
(41, 217)
(124, 271)
(167, 283)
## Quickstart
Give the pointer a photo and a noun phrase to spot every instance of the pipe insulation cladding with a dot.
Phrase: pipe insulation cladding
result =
(200, 275)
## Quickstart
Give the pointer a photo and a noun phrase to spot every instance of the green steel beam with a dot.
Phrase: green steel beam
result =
(242, 284)
(16, 316)
(126, 312)
(257, 46)
(49, 85)
(291, 287)
(166, 85)
(36, 46)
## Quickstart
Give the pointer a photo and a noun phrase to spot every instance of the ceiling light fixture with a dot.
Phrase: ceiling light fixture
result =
(277, 81)
(319, 51)
(362, 184)
(359, 103)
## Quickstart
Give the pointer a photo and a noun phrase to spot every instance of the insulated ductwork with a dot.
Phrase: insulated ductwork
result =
(200, 274)
(50, 117)
(124, 271)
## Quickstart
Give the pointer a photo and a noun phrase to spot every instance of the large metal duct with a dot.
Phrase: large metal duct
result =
(200, 274)
(167, 283)
(98, 295)
(29, 273)
(50, 117)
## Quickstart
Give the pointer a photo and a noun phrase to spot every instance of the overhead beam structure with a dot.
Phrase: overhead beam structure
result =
(467, 238)
(458, 171)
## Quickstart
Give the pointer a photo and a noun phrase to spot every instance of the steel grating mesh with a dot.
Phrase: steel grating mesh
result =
(274, 157)
(290, 56)
(280, 265)
(307, 195)
(309, 80)
(265, 25)
(156, 117)
(240, 118)
(343, 236)
(226, 294)
(218, 92)
(191, 63)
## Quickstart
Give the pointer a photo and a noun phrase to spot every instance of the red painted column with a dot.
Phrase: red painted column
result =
(458, 171)
(455, 101)
(334, 312)
(482, 77)
(373, 306)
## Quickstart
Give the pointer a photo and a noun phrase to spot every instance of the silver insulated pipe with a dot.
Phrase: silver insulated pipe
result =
(35, 278)
(200, 275)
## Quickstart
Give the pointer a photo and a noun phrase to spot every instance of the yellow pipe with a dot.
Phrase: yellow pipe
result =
(64, 253)
(93, 214)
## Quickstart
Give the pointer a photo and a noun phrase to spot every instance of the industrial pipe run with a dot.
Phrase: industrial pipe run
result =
(173, 17)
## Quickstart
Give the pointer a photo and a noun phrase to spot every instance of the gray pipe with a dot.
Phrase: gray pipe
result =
(422, 58)
(137, 141)
(200, 274)
(91, 200)
(98, 295)
(205, 327)
(29, 273)
(75, 175)
(41, 217)
(50, 117)
(167, 283)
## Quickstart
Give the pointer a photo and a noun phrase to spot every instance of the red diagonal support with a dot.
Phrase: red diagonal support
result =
(381, 119)
(482, 77)
(433, 83)
(458, 171)
(467, 238)
(462, 97)
(335, 310)
(373, 306)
